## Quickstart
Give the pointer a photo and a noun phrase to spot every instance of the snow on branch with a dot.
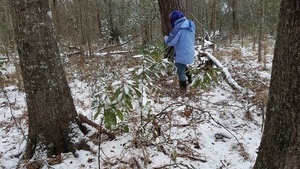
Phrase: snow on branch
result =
(225, 71)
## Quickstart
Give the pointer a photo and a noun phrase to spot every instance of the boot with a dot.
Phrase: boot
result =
(188, 75)
(182, 86)
(190, 80)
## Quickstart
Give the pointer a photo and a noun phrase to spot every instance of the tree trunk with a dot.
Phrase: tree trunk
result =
(261, 34)
(189, 8)
(213, 22)
(5, 29)
(280, 145)
(56, 18)
(235, 22)
(166, 7)
(251, 8)
(203, 24)
(51, 111)
(99, 17)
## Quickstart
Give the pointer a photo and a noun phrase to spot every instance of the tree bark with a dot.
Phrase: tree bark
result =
(235, 21)
(280, 144)
(261, 34)
(56, 17)
(189, 8)
(165, 8)
(212, 23)
(51, 111)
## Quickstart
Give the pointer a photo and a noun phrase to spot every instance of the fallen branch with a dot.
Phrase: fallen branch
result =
(191, 158)
(84, 119)
(224, 70)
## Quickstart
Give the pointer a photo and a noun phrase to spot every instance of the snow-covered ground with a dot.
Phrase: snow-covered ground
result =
(218, 128)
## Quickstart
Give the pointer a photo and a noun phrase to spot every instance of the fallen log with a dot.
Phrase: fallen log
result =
(101, 130)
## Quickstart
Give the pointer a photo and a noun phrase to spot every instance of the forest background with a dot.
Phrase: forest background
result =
(92, 25)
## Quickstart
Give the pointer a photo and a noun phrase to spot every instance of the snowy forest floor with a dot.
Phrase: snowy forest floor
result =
(213, 128)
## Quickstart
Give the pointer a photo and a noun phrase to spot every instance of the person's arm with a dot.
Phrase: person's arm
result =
(172, 39)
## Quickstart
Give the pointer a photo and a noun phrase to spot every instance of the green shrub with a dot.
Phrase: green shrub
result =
(117, 97)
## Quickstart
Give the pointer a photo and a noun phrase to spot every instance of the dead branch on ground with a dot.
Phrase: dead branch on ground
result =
(84, 119)
(226, 73)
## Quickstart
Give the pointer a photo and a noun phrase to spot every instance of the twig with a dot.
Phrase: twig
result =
(164, 166)
(99, 148)
(163, 112)
(223, 165)
(137, 164)
(11, 112)
(223, 126)
(192, 150)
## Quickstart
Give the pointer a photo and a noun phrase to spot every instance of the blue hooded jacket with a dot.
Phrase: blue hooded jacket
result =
(182, 37)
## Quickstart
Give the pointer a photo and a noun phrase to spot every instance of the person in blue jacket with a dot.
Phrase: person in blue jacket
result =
(182, 37)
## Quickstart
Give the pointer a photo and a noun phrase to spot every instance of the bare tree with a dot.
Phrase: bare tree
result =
(280, 144)
(235, 21)
(51, 111)
(6, 32)
(261, 34)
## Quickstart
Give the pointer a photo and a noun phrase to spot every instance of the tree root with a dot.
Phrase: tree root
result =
(101, 130)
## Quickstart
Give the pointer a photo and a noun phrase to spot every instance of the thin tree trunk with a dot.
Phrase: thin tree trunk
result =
(99, 18)
(261, 34)
(235, 22)
(190, 4)
(213, 22)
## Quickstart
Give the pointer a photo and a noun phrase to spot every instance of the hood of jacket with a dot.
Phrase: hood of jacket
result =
(184, 23)
(181, 23)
